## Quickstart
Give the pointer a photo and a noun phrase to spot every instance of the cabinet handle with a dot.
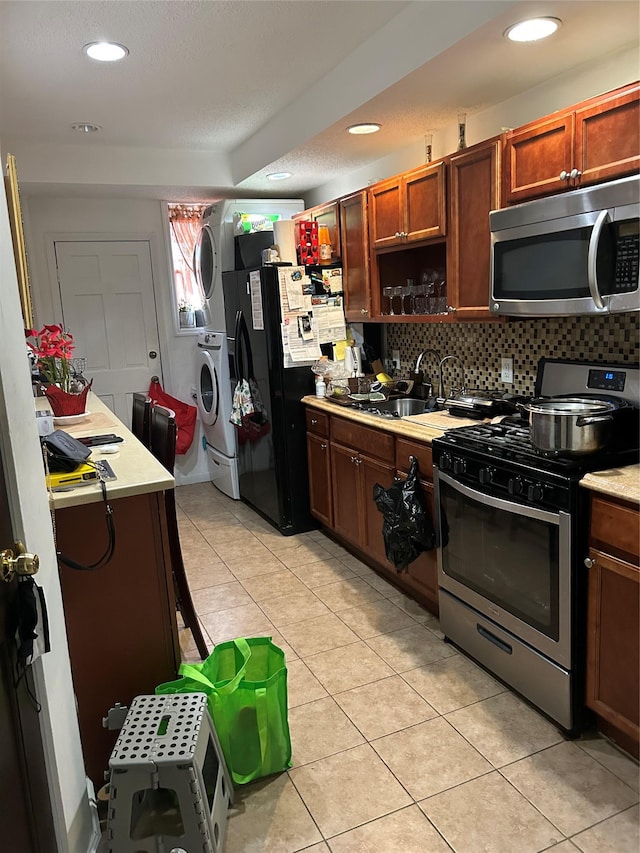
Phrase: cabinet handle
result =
(451, 308)
(323, 447)
(353, 459)
(575, 173)
(564, 176)
(398, 234)
(364, 310)
(589, 563)
(358, 461)
(313, 421)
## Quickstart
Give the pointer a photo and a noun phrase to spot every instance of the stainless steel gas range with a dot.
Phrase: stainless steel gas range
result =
(513, 525)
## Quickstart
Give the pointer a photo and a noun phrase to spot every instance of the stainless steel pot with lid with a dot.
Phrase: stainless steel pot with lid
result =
(573, 426)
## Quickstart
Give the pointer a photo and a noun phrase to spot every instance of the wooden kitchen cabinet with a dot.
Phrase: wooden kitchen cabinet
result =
(474, 190)
(421, 576)
(360, 457)
(354, 229)
(319, 465)
(120, 619)
(598, 140)
(408, 208)
(613, 619)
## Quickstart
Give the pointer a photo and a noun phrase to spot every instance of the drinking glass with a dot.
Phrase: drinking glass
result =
(396, 301)
(385, 305)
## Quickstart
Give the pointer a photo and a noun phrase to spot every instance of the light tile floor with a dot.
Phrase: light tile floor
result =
(400, 743)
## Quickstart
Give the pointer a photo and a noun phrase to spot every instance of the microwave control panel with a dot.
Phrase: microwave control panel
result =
(627, 256)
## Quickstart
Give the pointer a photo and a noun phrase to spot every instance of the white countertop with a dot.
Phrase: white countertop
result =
(138, 472)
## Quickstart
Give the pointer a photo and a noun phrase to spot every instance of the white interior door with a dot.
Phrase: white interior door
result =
(108, 304)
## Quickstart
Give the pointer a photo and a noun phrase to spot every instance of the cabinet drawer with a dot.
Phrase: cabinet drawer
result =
(317, 422)
(371, 442)
(423, 453)
(615, 528)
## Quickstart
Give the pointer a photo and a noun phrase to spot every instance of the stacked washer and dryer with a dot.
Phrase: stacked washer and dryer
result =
(215, 252)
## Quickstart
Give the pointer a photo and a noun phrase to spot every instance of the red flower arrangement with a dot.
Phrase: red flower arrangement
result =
(53, 348)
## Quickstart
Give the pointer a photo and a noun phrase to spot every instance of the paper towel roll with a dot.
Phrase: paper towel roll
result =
(284, 238)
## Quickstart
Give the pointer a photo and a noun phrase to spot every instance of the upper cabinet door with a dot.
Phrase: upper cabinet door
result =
(475, 178)
(355, 256)
(409, 207)
(608, 137)
(425, 205)
(386, 213)
(539, 158)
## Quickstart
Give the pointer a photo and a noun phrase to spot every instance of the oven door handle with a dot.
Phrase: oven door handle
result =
(499, 503)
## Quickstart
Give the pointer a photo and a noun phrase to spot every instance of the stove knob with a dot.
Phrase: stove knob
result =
(446, 462)
(485, 475)
(535, 492)
(515, 486)
(459, 466)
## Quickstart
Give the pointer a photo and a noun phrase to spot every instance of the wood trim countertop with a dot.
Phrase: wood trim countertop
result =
(621, 483)
(137, 470)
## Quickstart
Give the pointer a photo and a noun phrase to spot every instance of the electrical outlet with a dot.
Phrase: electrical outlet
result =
(506, 370)
(395, 356)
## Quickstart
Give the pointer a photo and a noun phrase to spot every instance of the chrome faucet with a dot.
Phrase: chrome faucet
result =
(422, 355)
(426, 387)
(462, 390)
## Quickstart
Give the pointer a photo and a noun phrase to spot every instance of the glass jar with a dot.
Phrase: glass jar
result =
(385, 302)
(396, 301)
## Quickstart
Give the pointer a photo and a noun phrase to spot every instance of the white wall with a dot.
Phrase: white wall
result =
(104, 219)
(556, 94)
(31, 521)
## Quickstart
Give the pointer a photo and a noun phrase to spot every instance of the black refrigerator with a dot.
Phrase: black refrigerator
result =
(272, 456)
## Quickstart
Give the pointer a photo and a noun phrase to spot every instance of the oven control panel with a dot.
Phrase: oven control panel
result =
(506, 481)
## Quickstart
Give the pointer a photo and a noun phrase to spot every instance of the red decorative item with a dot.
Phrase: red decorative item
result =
(64, 404)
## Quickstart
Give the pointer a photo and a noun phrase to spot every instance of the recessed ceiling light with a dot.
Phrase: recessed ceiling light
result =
(533, 29)
(370, 127)
(105, 51)
(85, 127)
(279, 176)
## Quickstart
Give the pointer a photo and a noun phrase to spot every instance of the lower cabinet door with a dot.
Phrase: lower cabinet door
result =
(422, 574)
(372, 472)
(346, 493)
(612, 643)
(319, 462)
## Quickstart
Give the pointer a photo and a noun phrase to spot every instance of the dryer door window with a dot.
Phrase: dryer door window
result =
(206, 260)
(208, 391)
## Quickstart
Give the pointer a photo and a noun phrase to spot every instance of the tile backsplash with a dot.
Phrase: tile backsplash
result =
(480, 346)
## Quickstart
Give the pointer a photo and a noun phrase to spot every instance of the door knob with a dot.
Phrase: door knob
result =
(153, 353)
(22, 564)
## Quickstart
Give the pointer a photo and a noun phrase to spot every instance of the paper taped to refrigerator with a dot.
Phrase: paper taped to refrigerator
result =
(257, 317)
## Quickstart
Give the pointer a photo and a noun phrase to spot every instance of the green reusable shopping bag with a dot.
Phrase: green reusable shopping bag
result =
(245, 681)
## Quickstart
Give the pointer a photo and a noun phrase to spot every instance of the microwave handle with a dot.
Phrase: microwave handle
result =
(592, 275)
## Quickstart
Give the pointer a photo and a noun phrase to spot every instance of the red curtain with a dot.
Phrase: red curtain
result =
(184, 222)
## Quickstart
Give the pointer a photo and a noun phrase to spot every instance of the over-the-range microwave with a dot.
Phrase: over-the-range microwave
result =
(575, 253)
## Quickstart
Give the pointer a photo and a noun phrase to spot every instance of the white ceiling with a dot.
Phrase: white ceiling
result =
(233, 89)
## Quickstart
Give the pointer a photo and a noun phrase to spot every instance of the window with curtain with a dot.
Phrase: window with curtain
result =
(183, 226)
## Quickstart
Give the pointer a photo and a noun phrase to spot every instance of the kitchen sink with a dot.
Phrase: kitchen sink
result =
(402, 407)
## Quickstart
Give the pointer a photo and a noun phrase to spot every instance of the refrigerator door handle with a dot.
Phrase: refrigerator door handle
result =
(237, 356)
(243, 339)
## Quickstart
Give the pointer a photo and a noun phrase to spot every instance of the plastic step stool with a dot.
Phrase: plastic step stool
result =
(169, 787)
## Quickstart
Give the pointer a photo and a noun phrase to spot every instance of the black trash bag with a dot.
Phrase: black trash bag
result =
(407, 527)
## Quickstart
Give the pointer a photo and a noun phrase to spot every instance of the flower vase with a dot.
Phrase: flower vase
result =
(64, 403)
